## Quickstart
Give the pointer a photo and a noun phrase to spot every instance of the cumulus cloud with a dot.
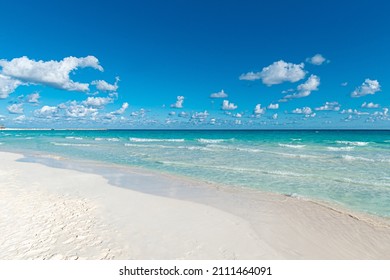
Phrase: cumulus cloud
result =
(21, 118)
(344, 84)
(97, 102)
(75, 110)
(15, 108)
(51, 73)
(317, 59)
(277, 73)
(353, 112)
(304, 110)
(370, 105)
(275, 116)
(33, 98)
(220, 94)
(200, 115)
(46, 112)
(329, 106)
(368, 87)
(258, 110)
(250, 76)
(7, 86)
(307, 111)
(121, 110)
(273, 106)
(226, 105)
(179, 102)
(104, 86)
(306, 88)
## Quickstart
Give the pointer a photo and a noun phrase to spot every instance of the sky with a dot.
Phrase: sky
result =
(195, 64)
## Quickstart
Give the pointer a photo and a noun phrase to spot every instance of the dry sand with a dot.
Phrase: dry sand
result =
(52, 213)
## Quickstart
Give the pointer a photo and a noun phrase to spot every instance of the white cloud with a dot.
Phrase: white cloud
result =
(329, 106)
(370, 105)
(7, 86)
(306, 88)
(307, 111)
(344, 84)
(200, 115)
(179, 102)
(104, 86)
(76, 110)
(250, 76)
(258, 110)
(275, 116)
(368, 87)
(273, 106)
(317, 59)
(51, 73)
(33, 98)
(277, 73)
(304, 110)
(220, 94)
(97, 102)
(20, 118)
(46, 112)
(353, 112)
(121, 110)
(15, 108)
(226, 105)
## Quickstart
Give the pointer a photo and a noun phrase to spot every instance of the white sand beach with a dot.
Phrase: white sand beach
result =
(53, 213)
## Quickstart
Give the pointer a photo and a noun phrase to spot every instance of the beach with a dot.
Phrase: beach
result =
(57, 213)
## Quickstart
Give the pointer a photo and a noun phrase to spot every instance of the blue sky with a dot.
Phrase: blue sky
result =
(156, 64)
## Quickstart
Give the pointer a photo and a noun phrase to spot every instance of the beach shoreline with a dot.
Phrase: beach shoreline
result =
(100, 221)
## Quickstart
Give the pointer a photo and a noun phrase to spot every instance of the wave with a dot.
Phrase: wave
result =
(29, 138)
(353, 143)
(73, 137)
(133, 139)
(236, 169)
(70, 144)
(352, 158)
(292, 146)
(107, 139)
(350, 148)
(212, 141)
(252, 150)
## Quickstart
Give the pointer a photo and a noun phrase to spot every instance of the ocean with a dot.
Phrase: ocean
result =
(347, 168)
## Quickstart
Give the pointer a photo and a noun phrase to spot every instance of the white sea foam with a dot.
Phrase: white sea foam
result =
(353, 143)
(352, 158)
(349, 148)
(212, 141)
(292, 146)
(133, 139)
(73, 137)
(235, 169)
(70, 144)
(148, 146)
(29, 138)
(107, 139)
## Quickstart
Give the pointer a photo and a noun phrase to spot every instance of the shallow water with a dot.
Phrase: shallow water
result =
(350, 168)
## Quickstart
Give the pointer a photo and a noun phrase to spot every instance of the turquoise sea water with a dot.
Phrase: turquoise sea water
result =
(351, 168)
